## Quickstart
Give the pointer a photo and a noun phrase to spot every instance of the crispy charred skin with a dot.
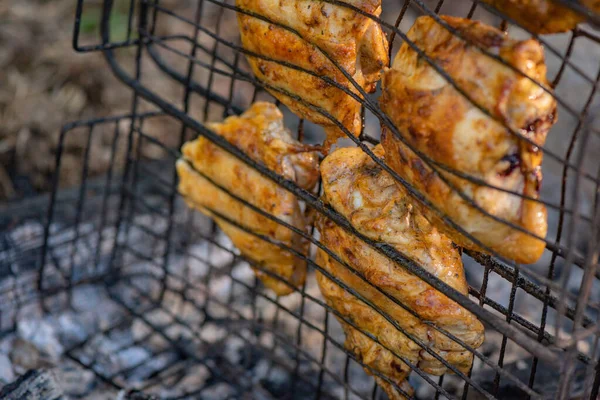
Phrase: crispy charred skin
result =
(368, 197)
(260, 133)
(543, 16)
(353, 41)
(437, 120)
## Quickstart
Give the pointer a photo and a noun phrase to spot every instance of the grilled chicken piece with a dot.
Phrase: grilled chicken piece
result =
(543, 16)
(324, 32)
(356, 187)
(259, 132)
(438, 121)
(366, 350)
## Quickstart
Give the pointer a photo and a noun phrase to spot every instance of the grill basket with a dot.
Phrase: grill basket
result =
(175, 311)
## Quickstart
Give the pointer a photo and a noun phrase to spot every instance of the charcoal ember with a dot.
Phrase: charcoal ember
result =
(159, 318)
(194, 263)
(221, 287)
(243, 273)
(173, 301)
(20, 246)
(213, 332)
(102, 351)
(6, 343)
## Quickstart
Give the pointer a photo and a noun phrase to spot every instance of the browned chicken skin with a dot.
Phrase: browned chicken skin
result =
(442, 124)
(352, 40)
(356, 187)
(366, 350)
(260, 133)
(543, 16)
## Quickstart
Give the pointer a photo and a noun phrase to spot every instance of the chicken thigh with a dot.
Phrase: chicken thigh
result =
(543, 16)
(260, 133)
(320, 35)
(356, 187)
(437, 120)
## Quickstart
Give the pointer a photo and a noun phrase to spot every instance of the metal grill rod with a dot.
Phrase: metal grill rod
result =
(173, 151)
(427, 159)
(376, 309)
(457, 33)
(141, 292)
(421, 53)
(579, 261)
(570, 311)
(552, 246)
(312, 326)
(503, 327)
(314, 241)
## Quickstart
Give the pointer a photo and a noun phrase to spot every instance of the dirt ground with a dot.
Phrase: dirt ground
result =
(44, 84)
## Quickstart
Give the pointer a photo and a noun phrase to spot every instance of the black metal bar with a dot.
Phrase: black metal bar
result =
(338, 219)
(311, 200)
(173, 188)
(568, 367)
(79, 211)
(310, 324)
(384, 119)
(364, 300)
(108, 183)
(425, 158)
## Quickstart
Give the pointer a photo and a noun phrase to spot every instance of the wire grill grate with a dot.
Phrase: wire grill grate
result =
(170, 274)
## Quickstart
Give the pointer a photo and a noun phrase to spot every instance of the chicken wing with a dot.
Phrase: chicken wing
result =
(438, 121)
(543, 16)
(356, 187)
(260, 133)
(322, 34)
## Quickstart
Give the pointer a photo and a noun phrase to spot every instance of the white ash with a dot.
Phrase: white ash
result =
(132, 356)
(76, 381)
(42, 335)
(220, 391)
(25, 356)
(76, 327)
(6, 370)
(268, 360)
(165, 344)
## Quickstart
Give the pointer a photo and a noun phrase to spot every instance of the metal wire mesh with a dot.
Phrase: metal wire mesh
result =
(170, 287)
